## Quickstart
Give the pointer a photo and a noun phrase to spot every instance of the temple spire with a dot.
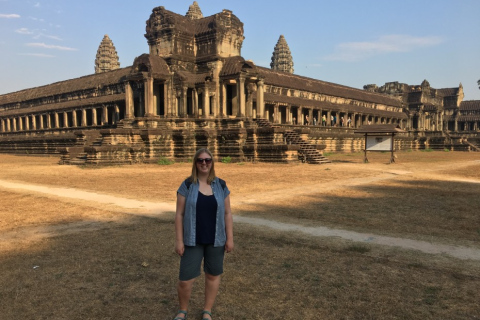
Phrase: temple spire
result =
(107, 57)
(282, 57)
(194, 11)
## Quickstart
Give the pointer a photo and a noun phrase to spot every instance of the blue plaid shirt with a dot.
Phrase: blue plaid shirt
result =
(190, 216)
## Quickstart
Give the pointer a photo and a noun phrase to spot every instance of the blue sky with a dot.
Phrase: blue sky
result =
(348, 42)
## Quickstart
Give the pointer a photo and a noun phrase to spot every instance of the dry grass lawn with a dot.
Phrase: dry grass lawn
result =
(71, 259)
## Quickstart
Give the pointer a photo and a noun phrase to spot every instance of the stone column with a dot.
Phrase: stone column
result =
(49, 122)
(195, 103)
(216, 102)
(206, 102)
(74, 119)
(104, 116)
(34, 122)
(329, 118)
(223, 107)
(2, 125)
(300, 119)
(128, 101)
(41, 124)
(148, 96)
(241, 96)
(276, 117)
(116, 116)
(167, 107)
(260, 99)
(84, 118)
(57, 120)
(27, 123)
(65, 120)
(183, 102)
(310, 116)
(94, 117)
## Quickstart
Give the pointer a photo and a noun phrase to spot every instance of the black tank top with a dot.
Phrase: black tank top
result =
(206, 219)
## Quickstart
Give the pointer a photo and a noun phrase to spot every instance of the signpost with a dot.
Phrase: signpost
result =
(380, 138)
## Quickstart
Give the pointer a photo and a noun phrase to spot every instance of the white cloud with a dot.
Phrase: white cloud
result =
(9, 16)
(42, 35)
(36, 19)
(355, 51)
(39, 55)
(49, 46)
(24, 31)
(37, 5)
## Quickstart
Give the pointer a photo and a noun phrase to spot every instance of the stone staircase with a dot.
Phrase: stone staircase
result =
(307, 152)
(473, 146)
(76, 154)
(264, 123)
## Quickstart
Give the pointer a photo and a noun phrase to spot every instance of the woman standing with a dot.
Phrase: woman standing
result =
(204, 231)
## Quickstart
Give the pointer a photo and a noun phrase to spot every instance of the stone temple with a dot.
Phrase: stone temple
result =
(194, 89)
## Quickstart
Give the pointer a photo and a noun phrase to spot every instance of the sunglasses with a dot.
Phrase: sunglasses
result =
(207, 160)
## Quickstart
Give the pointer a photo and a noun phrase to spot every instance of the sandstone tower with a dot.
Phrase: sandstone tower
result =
(282, 57)
(194, 11)
(190, 40)
(107, 57)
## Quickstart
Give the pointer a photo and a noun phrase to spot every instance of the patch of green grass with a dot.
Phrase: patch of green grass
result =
(327, 154)
(427, 150)
(226, 159)
(163, 161)
(446, 150)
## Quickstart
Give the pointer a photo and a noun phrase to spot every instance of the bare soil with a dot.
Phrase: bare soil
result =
(82, 257)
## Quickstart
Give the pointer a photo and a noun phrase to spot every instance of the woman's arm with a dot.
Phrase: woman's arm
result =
(228, 225)
(179, 214)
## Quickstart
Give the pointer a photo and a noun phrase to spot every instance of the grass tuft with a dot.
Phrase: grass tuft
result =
(163, 161)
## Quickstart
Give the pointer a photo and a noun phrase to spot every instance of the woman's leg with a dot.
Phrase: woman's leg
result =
(212, 284)
(213, 267)
(189, 270)
(184, 289)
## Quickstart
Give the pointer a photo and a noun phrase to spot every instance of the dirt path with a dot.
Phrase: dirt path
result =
(152, 209)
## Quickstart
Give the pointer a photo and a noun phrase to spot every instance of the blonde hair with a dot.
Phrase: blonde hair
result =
(194, 177)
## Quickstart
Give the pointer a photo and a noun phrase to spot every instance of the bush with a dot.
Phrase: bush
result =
(226, 159)
(165, 161)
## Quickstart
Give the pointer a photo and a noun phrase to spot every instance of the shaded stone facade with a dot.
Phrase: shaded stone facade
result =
(194, 89)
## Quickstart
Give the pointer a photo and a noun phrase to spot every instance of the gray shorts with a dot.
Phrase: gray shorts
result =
(191, 261)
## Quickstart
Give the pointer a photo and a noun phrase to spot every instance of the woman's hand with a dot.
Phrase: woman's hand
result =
(229, 246)
(179, 247)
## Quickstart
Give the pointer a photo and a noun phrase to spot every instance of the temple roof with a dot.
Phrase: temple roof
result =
(94, 101)
(235, 65)
(470, 105)
(155, 66)
(447, 92)
(83, 83)
(292, 81)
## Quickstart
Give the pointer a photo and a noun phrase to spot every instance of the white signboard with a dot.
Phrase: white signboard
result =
(379, 143)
